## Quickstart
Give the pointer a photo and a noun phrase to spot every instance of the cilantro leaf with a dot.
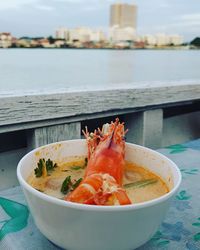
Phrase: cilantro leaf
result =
(68, 185)
(44, 166)
(65, 188)
(76, 184)
(38, 170)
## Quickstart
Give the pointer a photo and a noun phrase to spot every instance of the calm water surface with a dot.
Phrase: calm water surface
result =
(54, 69)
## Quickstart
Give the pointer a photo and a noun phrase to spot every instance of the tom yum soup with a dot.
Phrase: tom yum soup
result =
(105, 178)
(59, 180)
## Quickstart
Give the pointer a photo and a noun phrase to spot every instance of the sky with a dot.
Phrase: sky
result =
(43, 17)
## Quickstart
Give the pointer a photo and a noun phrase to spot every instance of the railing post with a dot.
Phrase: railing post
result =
(145, 128)
(45, 135)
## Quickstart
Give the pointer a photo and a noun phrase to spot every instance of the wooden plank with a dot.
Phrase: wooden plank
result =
(134, 123)
(50, 122)
(41, 136)
(152, 128)
(35, 108)
(145, 128)
(78, 118)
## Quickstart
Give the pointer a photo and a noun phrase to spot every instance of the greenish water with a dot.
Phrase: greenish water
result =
(55, 69)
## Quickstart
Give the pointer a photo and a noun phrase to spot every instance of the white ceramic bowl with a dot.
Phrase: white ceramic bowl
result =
(75, 226)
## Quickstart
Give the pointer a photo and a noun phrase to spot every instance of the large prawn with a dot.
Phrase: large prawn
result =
(102, 182)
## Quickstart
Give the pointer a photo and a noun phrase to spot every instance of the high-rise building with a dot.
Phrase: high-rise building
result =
(123, 15)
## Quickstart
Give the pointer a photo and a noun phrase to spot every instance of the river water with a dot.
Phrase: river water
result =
(32, 70)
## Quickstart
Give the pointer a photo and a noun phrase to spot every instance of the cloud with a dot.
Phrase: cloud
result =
(164, 5)
(90, 8)
(70, 1)
(187, 20)
(86, 2)
(193, 18)
(10, 4)
(186, 25)
(44, 7)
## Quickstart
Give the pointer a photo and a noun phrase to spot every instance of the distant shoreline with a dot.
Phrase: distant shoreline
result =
(85, 48)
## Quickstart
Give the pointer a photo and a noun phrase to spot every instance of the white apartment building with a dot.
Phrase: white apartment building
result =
(97, 36)
(5, 40)
(85, 34)
(62, 33)
(149, 39)
(162, 39)
(117, 34)
(176, 39)
(80, 34)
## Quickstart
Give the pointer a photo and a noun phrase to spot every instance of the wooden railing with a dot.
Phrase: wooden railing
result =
(53, 117)
(155, 116)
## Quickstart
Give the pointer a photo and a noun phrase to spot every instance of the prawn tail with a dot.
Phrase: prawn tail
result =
(99, 189)
(86, 190)
(122, 197)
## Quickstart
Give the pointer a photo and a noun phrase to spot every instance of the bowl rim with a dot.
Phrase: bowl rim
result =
(78, 206)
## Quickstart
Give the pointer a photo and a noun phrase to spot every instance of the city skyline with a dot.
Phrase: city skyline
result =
(42, 17)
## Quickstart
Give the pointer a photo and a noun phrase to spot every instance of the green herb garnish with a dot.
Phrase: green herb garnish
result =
(68, 185)
(139, 184)
(76, 168)
(38, 170)
(44, 167)
(50, 166)
(75, 185)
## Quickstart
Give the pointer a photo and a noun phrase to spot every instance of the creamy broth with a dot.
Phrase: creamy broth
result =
(140, 184)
